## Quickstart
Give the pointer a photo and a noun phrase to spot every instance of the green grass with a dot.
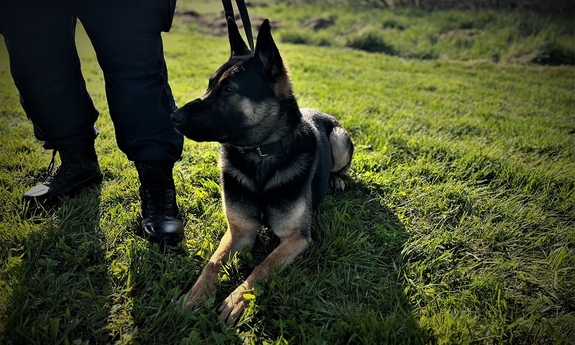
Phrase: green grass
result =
(513, 37)
(456, 227)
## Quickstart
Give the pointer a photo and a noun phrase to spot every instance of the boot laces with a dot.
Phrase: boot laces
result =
(158, 192)
(61, 174)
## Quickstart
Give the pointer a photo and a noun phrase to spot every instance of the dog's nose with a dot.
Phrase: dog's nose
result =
(177, 117)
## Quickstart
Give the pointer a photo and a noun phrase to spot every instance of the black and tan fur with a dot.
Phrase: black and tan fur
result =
(249, 107)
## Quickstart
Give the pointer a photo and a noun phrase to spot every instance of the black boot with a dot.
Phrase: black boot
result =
(79, 168)
(158, 202)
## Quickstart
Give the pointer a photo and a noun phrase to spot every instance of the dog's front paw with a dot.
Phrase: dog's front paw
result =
(188, 301)
(233, 306)
(197, 294)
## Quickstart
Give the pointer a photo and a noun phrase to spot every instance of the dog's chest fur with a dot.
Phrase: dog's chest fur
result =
(271, 182)
(264, 174)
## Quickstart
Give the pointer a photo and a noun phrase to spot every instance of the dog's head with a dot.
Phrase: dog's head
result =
(242, 103)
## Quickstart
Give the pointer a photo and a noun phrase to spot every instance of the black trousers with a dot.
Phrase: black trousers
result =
(126, 35)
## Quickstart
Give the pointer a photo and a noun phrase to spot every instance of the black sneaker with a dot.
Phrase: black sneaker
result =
(79, 169)
(158, 202)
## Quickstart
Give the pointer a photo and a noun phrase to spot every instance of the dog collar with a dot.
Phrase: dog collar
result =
(272, 148)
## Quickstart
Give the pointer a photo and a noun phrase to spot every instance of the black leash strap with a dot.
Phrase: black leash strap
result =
(229, 12)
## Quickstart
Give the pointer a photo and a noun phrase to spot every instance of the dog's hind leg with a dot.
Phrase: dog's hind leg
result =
(342, 152)
(289, 248)
(241, 233)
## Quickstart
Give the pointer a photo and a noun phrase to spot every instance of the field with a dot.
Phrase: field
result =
(457, 227)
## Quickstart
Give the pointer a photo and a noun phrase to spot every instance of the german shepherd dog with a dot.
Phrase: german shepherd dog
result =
(276, 160)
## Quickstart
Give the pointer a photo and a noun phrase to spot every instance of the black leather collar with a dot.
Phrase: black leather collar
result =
(272, 148)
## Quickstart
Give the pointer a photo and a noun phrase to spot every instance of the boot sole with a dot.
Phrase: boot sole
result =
(96, 179)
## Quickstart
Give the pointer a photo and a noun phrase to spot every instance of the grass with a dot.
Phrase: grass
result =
(456, 228)
(513, 37)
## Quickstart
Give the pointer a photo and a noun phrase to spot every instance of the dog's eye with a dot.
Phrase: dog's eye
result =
(228, 89)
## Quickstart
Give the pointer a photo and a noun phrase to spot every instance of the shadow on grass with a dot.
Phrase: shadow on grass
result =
(58, 276)
(346, 288)
(155, 277)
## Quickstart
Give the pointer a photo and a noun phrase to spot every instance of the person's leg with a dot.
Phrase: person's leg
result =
(128, 43)
(44, 63)
(127, 38)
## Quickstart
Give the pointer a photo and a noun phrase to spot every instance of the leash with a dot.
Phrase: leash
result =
(229, 12)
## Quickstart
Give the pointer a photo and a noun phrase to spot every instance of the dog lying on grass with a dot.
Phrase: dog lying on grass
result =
(276, 160)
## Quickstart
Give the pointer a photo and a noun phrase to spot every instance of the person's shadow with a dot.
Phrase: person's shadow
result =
(57, 274)
(349, 279)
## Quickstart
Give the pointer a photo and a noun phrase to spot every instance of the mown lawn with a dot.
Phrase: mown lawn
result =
(457, 226)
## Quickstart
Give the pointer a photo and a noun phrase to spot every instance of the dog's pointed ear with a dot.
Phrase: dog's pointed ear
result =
(237, 44)
(267, 51)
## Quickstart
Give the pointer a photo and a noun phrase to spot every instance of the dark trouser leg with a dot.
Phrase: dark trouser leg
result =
(127, 39)
(128, 43)
(39, 36)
